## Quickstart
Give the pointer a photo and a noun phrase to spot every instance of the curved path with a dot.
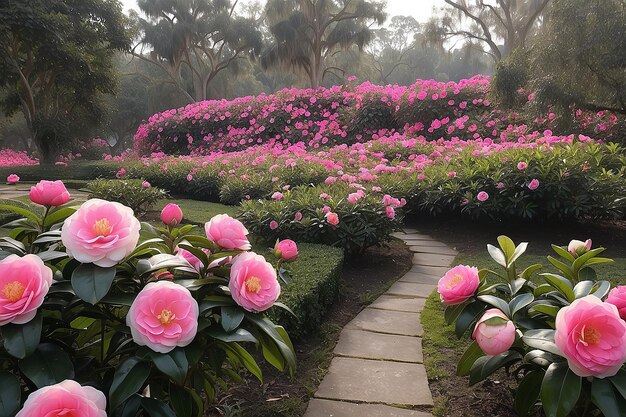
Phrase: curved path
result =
(378, 370)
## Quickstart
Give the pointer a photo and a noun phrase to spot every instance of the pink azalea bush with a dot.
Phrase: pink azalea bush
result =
(9, 157)
(128, 312)
(554, 332)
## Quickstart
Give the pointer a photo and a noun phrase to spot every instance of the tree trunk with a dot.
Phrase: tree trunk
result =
(44, 140)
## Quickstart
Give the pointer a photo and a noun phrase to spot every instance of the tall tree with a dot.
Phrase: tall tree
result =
(55, 64)
(194, 40)
(489, 21)
(307, 32)
(392, 45)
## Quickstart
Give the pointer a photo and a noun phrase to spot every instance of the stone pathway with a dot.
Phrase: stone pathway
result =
(12, 192)
(378, 366)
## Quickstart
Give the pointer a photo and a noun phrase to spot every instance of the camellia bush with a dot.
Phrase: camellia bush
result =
(103, 315)
(561, 335)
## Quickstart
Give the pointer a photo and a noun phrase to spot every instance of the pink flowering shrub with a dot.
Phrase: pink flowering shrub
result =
(9, 157)
(89, 295)
(555, 332)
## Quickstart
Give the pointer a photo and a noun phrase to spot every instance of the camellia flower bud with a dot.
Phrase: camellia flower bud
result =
(171, 214)
(287, 250)
(577, 247)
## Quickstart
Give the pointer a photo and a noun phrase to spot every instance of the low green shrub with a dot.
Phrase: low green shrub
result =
(313, 287)
(131, 193)
(305, 215)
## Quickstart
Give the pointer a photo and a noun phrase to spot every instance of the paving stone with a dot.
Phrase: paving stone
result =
(399, 235)
(430, 270)
(387, 321)
(420, 278)
(397, 303)
(328, 408)
(415, 236)
(426, 244)
(369, 345)
(410, 230)
(429, 259)
(434, 249)
(411, 289)
(371, 381)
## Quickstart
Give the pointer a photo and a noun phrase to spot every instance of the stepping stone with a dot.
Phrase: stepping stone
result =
(419, 278)
(433, 249)
(370, 381)
(327, 408)
(368, 345)
(429, 259)
(409, 230)
(417, 237)
(411, 289)
(399, 235)
(387, 321)
(395, 303)
(426, 244)
(430, 270)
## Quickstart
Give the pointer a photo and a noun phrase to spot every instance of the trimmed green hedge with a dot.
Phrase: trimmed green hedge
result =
(314, 286)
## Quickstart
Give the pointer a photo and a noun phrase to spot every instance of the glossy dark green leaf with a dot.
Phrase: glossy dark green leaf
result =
(619, 382)
(20, 340)
(128, 379)
(487, 365)
(542, 339)
(560, 390)
(528, 393)
(239, 335)
(562, 252)
(181, 400)
(173, 364)
(48, 365)
(471, 354)
(156, 408)
(496, 302)
(519, 302)
(232, 316)
(91, 282)
(470, 314)
(10, 394)
(561, 284)
(604, 396)
(507, 246)
(450, 313)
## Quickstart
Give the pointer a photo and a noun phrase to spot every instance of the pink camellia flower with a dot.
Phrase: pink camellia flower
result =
(458, 284)
(287, 250)
(171, 214)
(121, 173)
(253, 283)
(298, 216)
(277, 196)
(494, 332)
(24, 282)
(500, 185)
(577, 247)
(163, 316)
(522, 165)
(146, 184)
(49, 193)
(534, 184)
(592, 337)
(273, 225)
(13, 179)
(482, 196)
(67, 398)
(100, 232)
(191, 258)
(332, 218)
(227, 232)
(390, 212)
(353, 198)
(617, 297)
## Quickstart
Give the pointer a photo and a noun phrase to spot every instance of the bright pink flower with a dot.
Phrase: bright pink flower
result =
(534, 184)
(273, 225)
(100, 232)
(326, 209)
(451, 174)
(522, 165)
(332, 218)
(287, 250)
(171, 214)
(494, 332)
(227, 232)
(390, 212)
(24, 282)
(163, 316)
(324, 196)
(500, 185)
(458, 284)
(146, 184)
(353, 198)
(67, 398)
(298, 216)
(577, 247)
(592, 337)
(191, 258)
(121, 173)
(49, 193)
(13, 179)
(617, 297)
(277, 196)
(482, 196)
(253, 283)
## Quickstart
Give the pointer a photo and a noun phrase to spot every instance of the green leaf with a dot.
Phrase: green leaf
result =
(497, 302)
(58, 215)
(528, 272)
(156, 408)
(48, 365)
(467, 317)
(603, 395)
(128, 379)
(21, 211)
(91, 282)
(528, 393)
(232, 316)
(472, 353)
(497, 255)
(487, 365)
(173, 364)
(561, 284)
(239, 335)
(601, 289)
(541, 339)
(246, 359)
(519, 302)
(507, 246)
(548, 309)
(619, 382)
(20, 340)
(181, 400)
(10, 394)
(519, 251)
(581, 261)
(565, 269)
(583, 288)
(563, 253)
(560, 390)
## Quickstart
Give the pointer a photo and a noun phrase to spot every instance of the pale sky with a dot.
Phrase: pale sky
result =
(421, 10)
